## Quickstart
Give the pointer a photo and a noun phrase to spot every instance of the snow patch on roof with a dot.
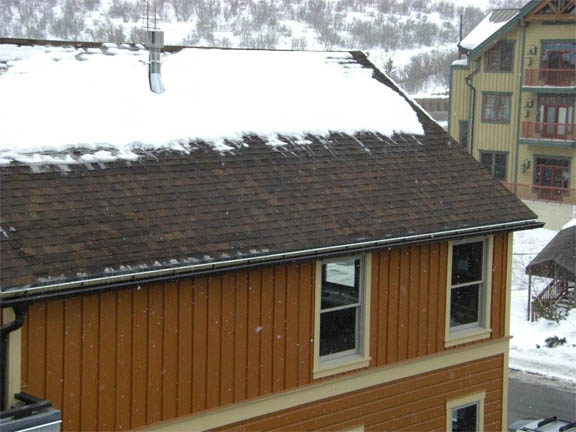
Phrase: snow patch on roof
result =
(493, 22)
(100, 105)
(460, 62)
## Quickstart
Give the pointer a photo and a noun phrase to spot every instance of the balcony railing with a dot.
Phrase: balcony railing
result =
(550, 77)
(548, 131)
(543, 193)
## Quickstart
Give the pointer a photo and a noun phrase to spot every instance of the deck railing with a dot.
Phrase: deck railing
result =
(543, 193)
(550, 296)
(550, 77)
(548, 131)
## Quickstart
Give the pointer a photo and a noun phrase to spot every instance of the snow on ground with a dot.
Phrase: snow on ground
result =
(99, 99)
(558, 362)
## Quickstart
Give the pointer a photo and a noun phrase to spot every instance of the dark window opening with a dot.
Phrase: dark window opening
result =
(500, 58)
(496, 162)
(465, 419)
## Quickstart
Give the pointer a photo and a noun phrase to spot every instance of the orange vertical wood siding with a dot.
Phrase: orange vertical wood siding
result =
(120, 360)
(417, 403)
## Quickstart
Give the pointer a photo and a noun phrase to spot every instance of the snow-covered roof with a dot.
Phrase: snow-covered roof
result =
(493, 22)
(97, 100)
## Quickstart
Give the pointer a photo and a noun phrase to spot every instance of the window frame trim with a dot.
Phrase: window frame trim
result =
(495, 93)
(484, 329)
(344, 361)
(498, 46)
(475, 398)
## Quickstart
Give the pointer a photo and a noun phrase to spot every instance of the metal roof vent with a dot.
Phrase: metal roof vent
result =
(155, 43)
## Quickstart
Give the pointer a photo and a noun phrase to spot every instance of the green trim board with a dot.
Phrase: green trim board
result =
(543, 143)
(519, 101)
(548, 89)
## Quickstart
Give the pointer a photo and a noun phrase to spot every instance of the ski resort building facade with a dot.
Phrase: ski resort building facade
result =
(513, 101)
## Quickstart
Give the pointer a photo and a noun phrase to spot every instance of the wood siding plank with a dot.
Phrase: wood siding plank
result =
(393, 303)
(291, 325)
(214, 341)
(72, 363)
(170, 352)
(185, 353)
(494, 271)
(267, 331)
(37, 350)
(433, 313)
(423, 341)
(90, 356)
(241, 342)
(200, 343)
(155, 357)
(124, 360)
(414, 312)
(107, 362)
(139, 356)
(280, 276)
(404, 304)
(306, 310)
(228, 332)
(55, 352)
(254, 333)
(382, 343)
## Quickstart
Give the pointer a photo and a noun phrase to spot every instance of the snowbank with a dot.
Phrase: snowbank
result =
(558, 362)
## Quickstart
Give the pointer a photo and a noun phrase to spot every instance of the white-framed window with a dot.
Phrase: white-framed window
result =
(466, 414)
(342, 315)
(469, 287)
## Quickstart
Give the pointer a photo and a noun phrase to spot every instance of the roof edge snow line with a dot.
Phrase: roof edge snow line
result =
(27, 294)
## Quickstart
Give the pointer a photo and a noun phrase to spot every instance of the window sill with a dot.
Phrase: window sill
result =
(345, 364)
(465, 336)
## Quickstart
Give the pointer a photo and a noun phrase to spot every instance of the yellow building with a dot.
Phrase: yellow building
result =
(512, 103)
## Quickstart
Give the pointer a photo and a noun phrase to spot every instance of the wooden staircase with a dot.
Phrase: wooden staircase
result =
(559, 294)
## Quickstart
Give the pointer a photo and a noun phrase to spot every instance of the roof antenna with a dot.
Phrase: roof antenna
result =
(155, 43)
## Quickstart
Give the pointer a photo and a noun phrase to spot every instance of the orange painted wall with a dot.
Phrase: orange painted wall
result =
(120, 360)
(412, 404)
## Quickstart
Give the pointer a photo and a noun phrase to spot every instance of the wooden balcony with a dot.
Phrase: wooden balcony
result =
(548, 131)
(550, 77)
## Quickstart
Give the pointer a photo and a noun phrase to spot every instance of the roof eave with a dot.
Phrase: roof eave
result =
(69, 288)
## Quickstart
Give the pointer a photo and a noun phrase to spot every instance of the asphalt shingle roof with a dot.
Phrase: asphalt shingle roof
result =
(173, 208)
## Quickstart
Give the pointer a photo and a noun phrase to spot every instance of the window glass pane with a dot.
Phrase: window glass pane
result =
(500, 166)
(340, 283)
(486, 160)
(465, 419)
(467, 262)
(338, 331)
(492, 59)
(506, 55)
(464, 305)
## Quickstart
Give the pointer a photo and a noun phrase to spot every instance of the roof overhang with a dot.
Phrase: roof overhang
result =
(26, 294)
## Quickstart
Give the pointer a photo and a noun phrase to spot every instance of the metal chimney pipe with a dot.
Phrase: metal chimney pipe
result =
(155, 45)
